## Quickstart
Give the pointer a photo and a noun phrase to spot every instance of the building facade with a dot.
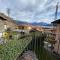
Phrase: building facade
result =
(57, 38)
(6, 22)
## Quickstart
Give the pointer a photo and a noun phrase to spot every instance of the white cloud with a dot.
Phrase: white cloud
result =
(31, 10)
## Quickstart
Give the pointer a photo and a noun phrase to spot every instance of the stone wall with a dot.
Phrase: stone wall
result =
(57, 45)
(11, 25)
(1, 26)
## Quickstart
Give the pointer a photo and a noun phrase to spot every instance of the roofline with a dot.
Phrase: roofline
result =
(56, 22)
(5, 16)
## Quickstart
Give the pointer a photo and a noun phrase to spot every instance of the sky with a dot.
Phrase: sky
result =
(31, 10)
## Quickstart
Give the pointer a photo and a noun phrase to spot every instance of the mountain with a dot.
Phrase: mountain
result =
(41, 24)
(34, 23)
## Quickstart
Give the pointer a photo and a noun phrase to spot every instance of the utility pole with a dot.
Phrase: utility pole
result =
(8, 11)
(56, 10)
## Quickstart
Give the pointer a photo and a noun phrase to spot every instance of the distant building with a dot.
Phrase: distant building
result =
(38, 28)
(49, 30)
(57, 26)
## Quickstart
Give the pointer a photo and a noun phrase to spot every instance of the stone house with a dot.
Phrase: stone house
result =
(6, 22)
(57, 38)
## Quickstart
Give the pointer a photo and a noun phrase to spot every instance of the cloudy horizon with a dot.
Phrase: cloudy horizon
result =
(31, 10)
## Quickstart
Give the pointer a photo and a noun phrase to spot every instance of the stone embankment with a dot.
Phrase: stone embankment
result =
(28, 55)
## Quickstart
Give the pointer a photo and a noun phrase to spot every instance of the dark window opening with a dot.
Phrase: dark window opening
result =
(2, 18)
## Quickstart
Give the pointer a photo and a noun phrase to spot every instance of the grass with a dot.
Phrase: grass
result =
(13, 48)
(43, 54)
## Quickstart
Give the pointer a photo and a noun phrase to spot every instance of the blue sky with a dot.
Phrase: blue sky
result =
(31, 10)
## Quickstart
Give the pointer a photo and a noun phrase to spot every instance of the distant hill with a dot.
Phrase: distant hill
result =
(34, 23)
(40, 24)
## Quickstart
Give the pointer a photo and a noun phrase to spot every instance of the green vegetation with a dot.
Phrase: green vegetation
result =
(37, 46)
(43, 54)
(13, 48)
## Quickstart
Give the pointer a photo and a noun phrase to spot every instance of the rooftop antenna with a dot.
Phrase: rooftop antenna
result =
(56, 10)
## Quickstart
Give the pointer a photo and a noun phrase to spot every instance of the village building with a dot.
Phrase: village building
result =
(38, 28)
(50, 30)
(57, 38)
(6, 22)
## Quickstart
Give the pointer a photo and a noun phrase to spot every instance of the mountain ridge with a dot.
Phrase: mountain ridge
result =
(33, 23)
